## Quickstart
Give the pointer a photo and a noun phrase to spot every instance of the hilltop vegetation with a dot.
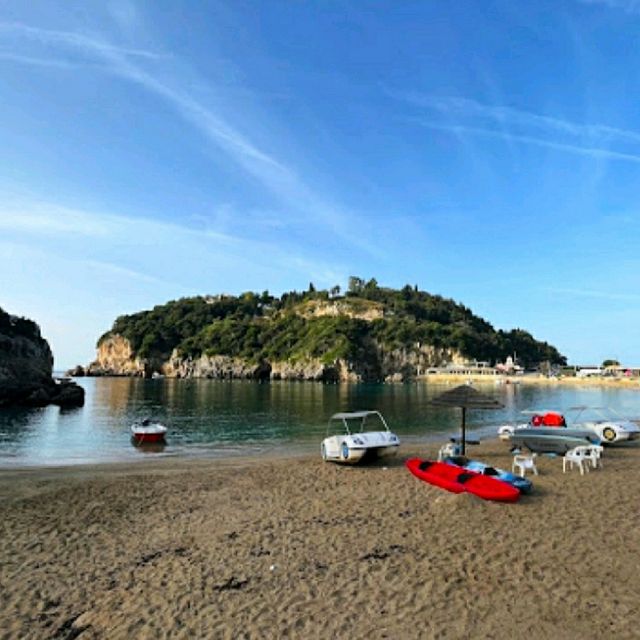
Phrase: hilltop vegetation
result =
(15, 327)
(324, 325)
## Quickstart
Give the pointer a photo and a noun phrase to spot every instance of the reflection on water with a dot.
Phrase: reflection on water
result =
(228, 418)
(148, 447)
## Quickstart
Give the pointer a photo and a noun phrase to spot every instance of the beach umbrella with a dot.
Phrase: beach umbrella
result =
(465, 397)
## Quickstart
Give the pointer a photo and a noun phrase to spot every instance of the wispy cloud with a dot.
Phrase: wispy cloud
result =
(472, 109)
(52, 220)
(121, 272)
(273, 174)
(44, 219)
(593, 152)
(37, 62)
(99, 240)
(77, 40)
(465, 116)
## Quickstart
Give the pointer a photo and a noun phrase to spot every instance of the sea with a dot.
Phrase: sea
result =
(225, 419)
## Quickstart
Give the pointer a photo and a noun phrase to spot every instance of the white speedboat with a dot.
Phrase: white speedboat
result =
(607, 423)
(547, 432)
(354, 443)
(536, 418)
(147, 432)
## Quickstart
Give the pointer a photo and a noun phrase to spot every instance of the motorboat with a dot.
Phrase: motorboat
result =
(536, 418)
(607, 423)
(547, 432)
(146, 432)
(356, 441)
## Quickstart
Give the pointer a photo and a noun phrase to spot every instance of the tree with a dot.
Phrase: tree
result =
(335, 291)
(610, 363)
(355, 285)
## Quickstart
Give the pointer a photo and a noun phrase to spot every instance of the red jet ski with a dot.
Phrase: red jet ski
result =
(458, 479)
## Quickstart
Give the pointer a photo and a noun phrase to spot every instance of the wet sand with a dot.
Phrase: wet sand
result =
(298, 548)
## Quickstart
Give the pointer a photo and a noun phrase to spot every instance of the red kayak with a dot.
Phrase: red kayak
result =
(457, 480)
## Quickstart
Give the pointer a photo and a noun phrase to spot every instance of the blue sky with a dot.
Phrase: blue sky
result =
(488, 151)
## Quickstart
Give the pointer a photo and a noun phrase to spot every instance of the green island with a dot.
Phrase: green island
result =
(377, 331)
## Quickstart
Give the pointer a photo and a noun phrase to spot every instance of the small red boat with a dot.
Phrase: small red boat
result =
(147, 432)
(458, 480)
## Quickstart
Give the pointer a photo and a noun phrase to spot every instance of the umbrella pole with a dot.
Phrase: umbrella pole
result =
(464, 427)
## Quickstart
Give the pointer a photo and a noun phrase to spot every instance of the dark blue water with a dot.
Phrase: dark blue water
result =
(215, 418)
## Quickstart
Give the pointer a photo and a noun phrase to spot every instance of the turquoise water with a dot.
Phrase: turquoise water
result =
(219, 418)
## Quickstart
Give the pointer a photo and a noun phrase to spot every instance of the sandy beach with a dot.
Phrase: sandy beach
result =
(298, 548)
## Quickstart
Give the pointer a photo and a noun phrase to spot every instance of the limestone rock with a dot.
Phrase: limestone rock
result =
(116, 357)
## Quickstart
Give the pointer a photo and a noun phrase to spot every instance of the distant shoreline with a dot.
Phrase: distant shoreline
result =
(499, 380)
(444, 379)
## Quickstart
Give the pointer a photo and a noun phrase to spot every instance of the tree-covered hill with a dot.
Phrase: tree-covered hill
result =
(357, 327)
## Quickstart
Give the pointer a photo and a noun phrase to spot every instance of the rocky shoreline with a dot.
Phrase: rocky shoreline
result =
(26, 367)
(115, 357)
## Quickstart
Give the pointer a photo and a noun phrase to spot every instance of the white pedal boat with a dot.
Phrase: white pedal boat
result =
(354, 443)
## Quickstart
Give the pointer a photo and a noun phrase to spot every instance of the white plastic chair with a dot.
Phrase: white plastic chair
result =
(524, 462)
(449, 449)
(594, 454)
(578, 456)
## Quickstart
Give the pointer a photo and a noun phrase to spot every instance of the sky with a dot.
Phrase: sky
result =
(487, 151)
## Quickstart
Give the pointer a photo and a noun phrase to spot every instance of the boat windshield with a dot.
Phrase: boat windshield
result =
(583, 413)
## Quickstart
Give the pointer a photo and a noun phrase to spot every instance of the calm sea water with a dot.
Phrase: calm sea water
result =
(216, 418)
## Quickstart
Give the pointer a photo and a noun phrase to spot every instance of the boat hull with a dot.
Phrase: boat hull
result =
(538, 440)
(148, 433)
(147, 438)
(459, 480)
(352, 449)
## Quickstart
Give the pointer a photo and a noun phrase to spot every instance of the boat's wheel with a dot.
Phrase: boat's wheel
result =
(345, 451)
(609, 434)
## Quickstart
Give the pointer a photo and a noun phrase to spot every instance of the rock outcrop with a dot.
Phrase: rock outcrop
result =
(115, 357)
(26, 365)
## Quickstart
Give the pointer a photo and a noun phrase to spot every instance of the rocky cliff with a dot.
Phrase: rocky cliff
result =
(115, 357)
(26, 365)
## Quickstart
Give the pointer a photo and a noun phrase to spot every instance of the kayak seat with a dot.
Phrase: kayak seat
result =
(463, 477)
(424, 465)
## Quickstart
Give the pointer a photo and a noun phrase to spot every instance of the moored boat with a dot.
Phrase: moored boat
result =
(147, 432)
(547, 432)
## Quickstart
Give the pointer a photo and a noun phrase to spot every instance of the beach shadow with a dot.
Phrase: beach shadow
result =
(384, 463)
